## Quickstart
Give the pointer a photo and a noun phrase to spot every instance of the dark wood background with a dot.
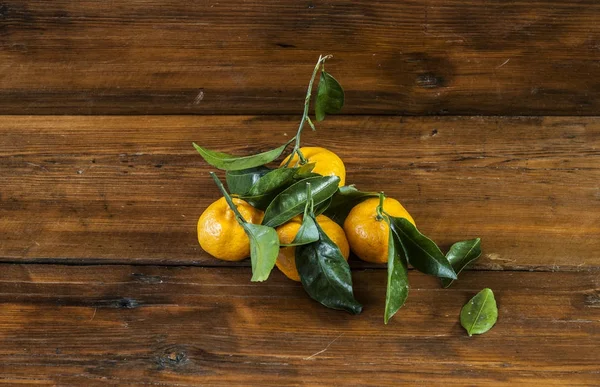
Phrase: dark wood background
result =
(480, 117)
(433, 57)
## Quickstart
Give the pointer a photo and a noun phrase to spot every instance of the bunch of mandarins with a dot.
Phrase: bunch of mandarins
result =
(221, 236)
(302, 218)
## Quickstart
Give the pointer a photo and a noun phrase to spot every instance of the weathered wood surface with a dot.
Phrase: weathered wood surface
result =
(130, 189)
(536, 57)
(183, 326)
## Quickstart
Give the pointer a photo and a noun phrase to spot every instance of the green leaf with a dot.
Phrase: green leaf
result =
(305, 169)
(480, 314)
(308, 233)
(421, 251)
(264, 248)
(460, 255)
(260, 202)
(303, 176)
(262, 193)
(272, 181)
(233, 163)
(330, 96)
(397, 280)
(322, 207)
(272, 184)
(239, 182)
(344, 200)
(325, 274)
(292, 200)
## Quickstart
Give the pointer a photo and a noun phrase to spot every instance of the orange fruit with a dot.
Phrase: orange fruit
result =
(286, 261)
(367, 235)
(221, 235)
(326, 162)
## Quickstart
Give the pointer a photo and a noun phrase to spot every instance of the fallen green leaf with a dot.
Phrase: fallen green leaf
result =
(480, 314)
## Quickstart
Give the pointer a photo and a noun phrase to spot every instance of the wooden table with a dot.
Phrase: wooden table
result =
(102, 280)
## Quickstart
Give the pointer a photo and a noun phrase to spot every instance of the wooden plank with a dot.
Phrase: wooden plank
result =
(177, 326)
(130, 189)
(466, 57)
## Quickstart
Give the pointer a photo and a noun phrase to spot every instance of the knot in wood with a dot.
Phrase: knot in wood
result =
(429, 80)
(172, 357)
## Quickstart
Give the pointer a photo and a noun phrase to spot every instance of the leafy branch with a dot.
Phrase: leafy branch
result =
(305, 116)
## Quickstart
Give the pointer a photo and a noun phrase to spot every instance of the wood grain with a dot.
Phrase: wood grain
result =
(432, 57)
(176, 326)
(130, 189)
